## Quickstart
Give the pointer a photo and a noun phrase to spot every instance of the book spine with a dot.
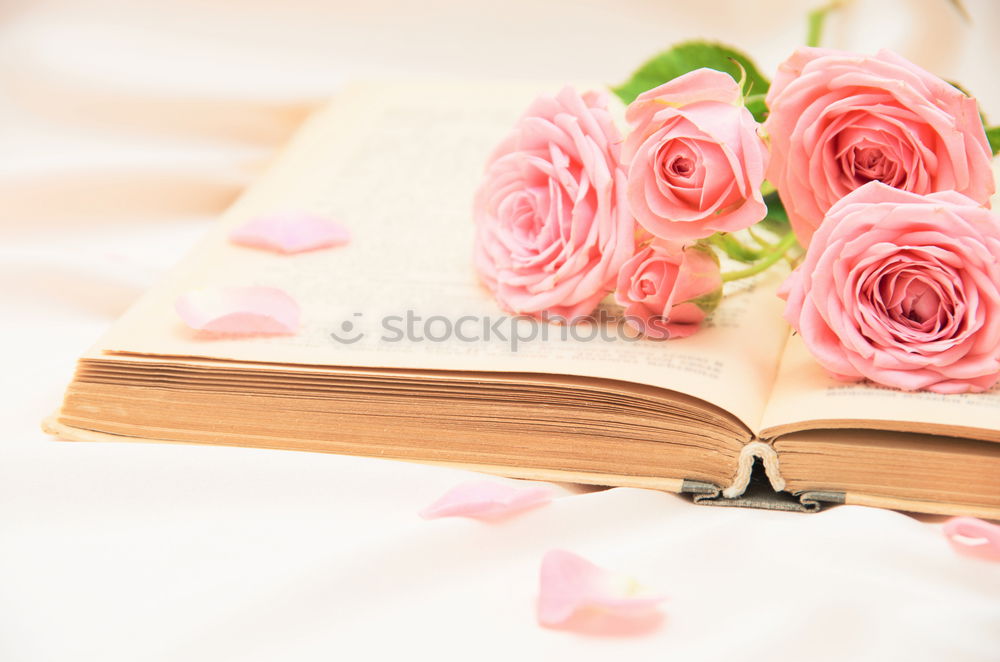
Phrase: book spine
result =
(752, 453)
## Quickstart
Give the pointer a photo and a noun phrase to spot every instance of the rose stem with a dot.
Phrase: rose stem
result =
(816, 19)
(765, 262)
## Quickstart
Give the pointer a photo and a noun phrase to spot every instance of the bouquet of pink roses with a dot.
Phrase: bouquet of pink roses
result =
(869, 174)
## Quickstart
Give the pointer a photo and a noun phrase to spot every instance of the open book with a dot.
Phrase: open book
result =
(402, 354)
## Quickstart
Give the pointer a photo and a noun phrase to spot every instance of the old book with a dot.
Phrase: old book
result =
(402, 354)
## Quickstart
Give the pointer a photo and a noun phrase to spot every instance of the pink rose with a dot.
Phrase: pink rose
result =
(838, 120)
(552, 222)
(696, 162)
(902, 289)
(668, 289)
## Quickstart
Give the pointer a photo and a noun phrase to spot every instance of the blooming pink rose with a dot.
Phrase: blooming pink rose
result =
(902, 289)
(668, 289)
(552, 221)
(696, 162)
(838, 120)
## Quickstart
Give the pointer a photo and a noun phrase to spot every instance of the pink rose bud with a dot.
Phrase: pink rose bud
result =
(552, 224)
(668, 289)
(902, 289)
(696, 161)
(838, 120)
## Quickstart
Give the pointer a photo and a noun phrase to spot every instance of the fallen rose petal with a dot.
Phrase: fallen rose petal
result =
(487, 500)
(239, 310)
(973, 537)
(290, 232)
(570, 584)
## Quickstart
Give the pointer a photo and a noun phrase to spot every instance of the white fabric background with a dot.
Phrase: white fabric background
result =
(124, 127)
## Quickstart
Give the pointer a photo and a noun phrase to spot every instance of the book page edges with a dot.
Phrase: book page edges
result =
(888, 425)
(919, 506)
(811, 499)
(64, 432)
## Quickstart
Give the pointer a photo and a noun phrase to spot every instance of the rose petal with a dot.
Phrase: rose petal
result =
(570, 584)
(694, 168)
(973, 537)
(838, 119)
(551, 222)
(487, 500)
(239, 310)
(292, 232)
(900, 288)
(668, 289)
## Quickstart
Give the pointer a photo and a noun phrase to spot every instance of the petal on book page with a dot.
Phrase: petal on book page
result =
(240, 311)
(973, 537)
(486, 499)
(576, 594)
(290, 232)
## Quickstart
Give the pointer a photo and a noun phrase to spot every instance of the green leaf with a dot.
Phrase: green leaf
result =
(776, 220)
(691, 55)
(708, 302)
(755, 104)
(993, 135)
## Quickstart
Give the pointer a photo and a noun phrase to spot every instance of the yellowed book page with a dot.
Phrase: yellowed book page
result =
(398, 164)
(805, 394)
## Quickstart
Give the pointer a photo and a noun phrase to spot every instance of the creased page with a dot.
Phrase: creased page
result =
(398, 165)
(806, 397)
